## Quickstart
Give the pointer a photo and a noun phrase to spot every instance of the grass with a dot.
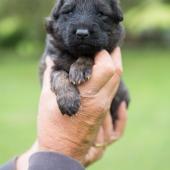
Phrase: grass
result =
(145, 144)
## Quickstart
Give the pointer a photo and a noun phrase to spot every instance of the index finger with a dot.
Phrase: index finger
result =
(118, 69)
(117, 60)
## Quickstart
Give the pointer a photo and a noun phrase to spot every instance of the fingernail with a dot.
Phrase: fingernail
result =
(115, 136)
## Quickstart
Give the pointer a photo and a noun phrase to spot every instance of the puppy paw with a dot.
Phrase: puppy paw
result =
(80, 72)
(69, 105)
(68, 97)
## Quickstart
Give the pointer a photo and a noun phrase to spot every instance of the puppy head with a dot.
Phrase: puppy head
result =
(84, 27)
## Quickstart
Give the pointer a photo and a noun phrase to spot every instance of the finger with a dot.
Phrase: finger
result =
(47, 101)
(95, 153)
(103, 70)
(111, 87)
(100, 136)
(117, 60)
(92, 156)
(108, 129)
(46, 77)
(120, 123)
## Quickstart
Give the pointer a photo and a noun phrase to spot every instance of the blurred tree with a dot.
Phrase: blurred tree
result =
(166, 1)
(29, 14)
(27, 18)
(150, 20)
(128, 4)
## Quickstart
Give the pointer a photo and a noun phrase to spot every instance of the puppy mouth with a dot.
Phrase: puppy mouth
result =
(84, 46)
(83, 49)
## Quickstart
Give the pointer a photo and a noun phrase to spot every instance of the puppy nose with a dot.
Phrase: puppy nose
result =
(82, 33)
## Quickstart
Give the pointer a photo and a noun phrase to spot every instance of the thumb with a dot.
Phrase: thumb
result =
(47, 73)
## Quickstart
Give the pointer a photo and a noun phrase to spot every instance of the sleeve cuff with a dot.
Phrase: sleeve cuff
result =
(10, 165)
(53, 161)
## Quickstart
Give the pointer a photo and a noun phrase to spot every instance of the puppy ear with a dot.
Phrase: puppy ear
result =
(117, 12)
(56, 9)
(49, 25)
(118, 17)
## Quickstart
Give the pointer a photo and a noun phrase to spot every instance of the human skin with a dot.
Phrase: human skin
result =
(107, 134)
(76, 136)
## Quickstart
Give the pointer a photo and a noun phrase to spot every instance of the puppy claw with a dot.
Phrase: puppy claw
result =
(81, 70)
(73, 82)
(79, 82)
(79, 75)
(88, 77)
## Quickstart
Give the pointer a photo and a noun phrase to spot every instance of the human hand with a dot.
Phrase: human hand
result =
(108, 134)
(74, 136)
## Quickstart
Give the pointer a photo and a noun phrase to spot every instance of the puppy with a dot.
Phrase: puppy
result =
(76, 31)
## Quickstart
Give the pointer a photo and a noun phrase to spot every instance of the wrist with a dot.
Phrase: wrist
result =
(64, 147)
(22, 161)
(36, 152)
(68, 149)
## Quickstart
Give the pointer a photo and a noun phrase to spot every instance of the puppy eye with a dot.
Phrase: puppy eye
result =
(101, 14)
(68, 12)
(67, 9)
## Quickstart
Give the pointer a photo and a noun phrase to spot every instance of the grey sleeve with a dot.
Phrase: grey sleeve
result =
(10, 165)
(53, 161)
(47, 161)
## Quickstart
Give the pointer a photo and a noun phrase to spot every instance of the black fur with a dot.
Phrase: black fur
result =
(77, 30)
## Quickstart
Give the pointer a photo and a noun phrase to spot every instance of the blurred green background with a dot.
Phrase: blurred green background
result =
(146, 56)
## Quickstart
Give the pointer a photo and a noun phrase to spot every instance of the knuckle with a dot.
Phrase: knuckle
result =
(119, 71)
(103, 106)
(109, 68)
